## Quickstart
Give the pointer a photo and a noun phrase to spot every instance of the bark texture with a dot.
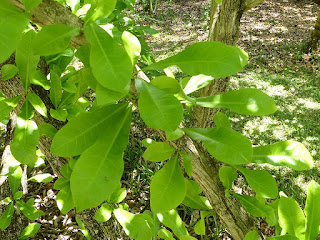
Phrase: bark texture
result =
(315, 35)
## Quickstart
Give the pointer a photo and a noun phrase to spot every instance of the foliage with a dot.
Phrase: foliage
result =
(96, 134)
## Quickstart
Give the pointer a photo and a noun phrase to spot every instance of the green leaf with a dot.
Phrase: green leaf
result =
(110, 63)
(98, 171)
(224, 144)
(197, 82)
(147, 142)
(222, 120)
(5, 218)
(165, 234)
(158, 109)
(14, 179)
(227, 175)
(167, 84)
(106, 96)
(192, 198)
(30, 230)
(288, 153)
(37, 78)
(59, 114)
(284, 237)
(138, 226)
(104, 213)
(37, 103)
(261, 181)
(8, 71)
(82, 131)
(176, 134)
(187, 237)
(158, 152)
(65, 200)
(61, 183)
(253, 235)
(26, 60)
(28, 210)
(132, 45)
(83, 228)
(244, 101)
(172, 220)
(200, 227)
(100, 9)
(118, 195)
(25, 141)
(30, 4)
(312, 211)
(44, 178)
(291, 217)
(18, 195)
(167, 189)
(187, 163)
(53, 39)
(7, 105)
(7, 8)
(214, 59)
(83, 53)
(11, 27)
(218, 1)
(46, 129)
(56, 88)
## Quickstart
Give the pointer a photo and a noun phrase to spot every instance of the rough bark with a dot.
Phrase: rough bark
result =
(315, 35)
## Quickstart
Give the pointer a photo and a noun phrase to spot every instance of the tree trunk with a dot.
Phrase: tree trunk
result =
(315, 35)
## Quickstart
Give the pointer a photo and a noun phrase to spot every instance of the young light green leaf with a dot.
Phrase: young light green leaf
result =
(30, 4)
(261, 181)
(83, 228)
(56, 88)
(288, 153)
(82, 131)
(137, 226)
(165, 234)
(61, 183)
(312, 211)
(5, 218)
(100, 9)
(172, 220)
(158, 152)
(104, 213)
(167, 84)
(53, 39)
(28, 210)
(65, 200)
(110, 63)
(26, 60)
(244, 101)
(187, 237)
(187, 163)
(59, 114)
(106, 96)
(11, 27)
(7, 8)
(37, 78)
(37, 103)
(46, 129)
(30, 230)
(98, 171)
(253, 235)
(214, 59)
(192, 198)
(218, 1)
(284, 237)
(167, 189)
(200, 227)
(8, 71)
(147, 142)
(14, 179)
(291, 217)
(197, 82)
(132, 45)
(221, 120)
(158, 109)
(7, 105)
(176, 134)
(44, 178)
(118, 195)
(227, 175)
(18, 195)
(224, 144)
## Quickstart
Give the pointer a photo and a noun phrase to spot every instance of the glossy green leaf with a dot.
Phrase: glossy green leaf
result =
(30, 4)
(167, 84)
(197, 82)
(200, 227)
(98, 171)
(132, 45)
(110, 63)
(187, 237)
(284, 237)
(174, 135)
(221, 120)
(118, 195)
(158, 109)
(261, 181)
(65, 200)
(26, 60)
(28, 210)
(83, 53)
(172, 220)
(104, 213)
(14, 179)
(46, 129)
(44, 178)
(291, 217)
(38, 78)
(11, 27)
(137, 226)
(53, 39)
(192, 198)
(312, 211)
(5, 218)
(253, 235)
(224, 144)
(7, 8)
(82, 131)
(187, 163)
(158, 152)
(218, 1)
(288, 153)
(56, 88)
(18, 195)
(209, 58)
(7, 105)
(59, 114)
(37, 103)
(100, 9)
(106, 96)
(83, 228)
(227, 175)
(30, 230)
(244, 101)
(61, 183)
(167, 189)
(165, 234)
(8, 71)
(147, 142)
